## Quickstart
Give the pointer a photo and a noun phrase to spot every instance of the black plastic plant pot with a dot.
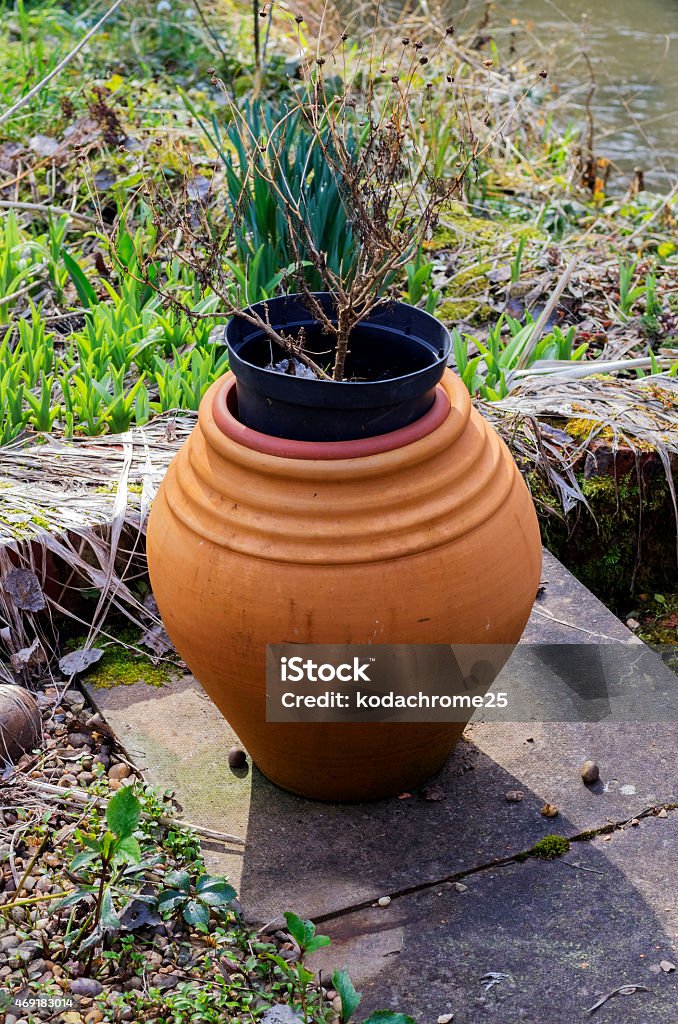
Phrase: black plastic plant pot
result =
(397, 356)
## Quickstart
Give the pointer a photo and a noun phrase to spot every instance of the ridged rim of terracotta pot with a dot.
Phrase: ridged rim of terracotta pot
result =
(386, 506)
(224, 412)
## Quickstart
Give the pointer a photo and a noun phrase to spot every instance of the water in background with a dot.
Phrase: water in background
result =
(633, 48)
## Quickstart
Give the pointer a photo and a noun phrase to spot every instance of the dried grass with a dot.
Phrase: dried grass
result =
(83, 505)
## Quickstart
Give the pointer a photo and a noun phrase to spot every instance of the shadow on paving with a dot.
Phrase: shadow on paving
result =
(557, 937)
(320, 859)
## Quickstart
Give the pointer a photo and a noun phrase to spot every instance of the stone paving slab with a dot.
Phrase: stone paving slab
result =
(320, 858)
(564, 935)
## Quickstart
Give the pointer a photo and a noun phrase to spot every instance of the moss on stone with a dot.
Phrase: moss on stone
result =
(550, 847)
(461, 226)
(464, 297)
(122, 666)
(580, 429)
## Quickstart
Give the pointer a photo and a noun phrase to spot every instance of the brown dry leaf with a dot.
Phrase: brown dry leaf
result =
(549, 811)
(23, 586)
(28, 656)
(79, 661)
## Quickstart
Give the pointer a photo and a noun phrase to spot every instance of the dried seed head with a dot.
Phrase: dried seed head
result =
(449, 31)
(344, 36)
(543, 73)
(395, 79)
(382, 70)
(405, 40)
(422, 120)
(429, 86)
(211, 71)
(262, 14)
(320, 61)
(423, 60)
(418, 45)
(487, 63)
(450, 78)
(299, 18)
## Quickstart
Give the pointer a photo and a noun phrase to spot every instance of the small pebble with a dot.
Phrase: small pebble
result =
(445, 1018)
(590, 772)
(237, 758)
(336, 1004)
(119, 771)
(549, 811)
(662, 813)
(514, 796)
(384, 901)
(460, 887)
(667, 966)
(86, 987)
(633, 623)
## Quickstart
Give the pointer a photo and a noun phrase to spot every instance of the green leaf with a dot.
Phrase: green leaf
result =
(72, 898)
(215, 891)
(83, 858)
(343, 985)
(179, 880)
(108, 919)
(86, 293)
(389, 1017)
(169, 899)
(123, 812)
(196, 914)
(287, 970)
(317, 942)
(301, 931)
(128, 850)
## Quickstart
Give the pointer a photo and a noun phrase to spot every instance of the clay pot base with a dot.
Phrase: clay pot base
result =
(225, 413)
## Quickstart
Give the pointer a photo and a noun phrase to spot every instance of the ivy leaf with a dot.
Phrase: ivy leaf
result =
(123, 812)
(345, 989)
(196, 914)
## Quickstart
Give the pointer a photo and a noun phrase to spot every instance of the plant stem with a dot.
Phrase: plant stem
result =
(33, 900)
(343, 331)
(97, 910)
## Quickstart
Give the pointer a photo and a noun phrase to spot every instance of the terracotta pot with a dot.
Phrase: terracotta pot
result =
(425, 535)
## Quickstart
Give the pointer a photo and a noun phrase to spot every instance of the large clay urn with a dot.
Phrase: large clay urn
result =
(425, 535)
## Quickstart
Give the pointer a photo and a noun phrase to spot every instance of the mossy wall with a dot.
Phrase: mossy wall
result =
(625, 544)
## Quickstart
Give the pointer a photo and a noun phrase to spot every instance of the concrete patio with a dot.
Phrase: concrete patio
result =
(473, 928)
